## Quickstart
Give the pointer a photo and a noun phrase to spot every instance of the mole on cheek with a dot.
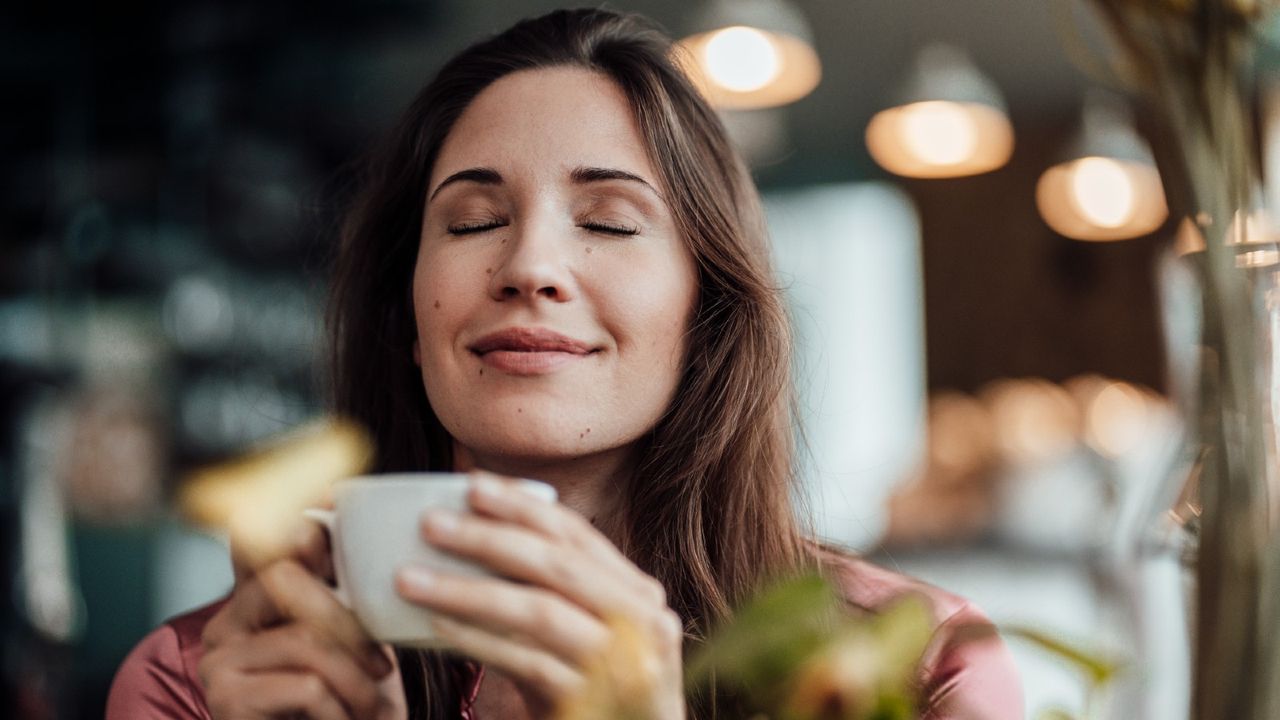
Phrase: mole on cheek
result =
(488, 271)
(588, 251)
(437, 305)
(481, 371)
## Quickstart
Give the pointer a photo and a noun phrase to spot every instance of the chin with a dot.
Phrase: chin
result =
(533, 432)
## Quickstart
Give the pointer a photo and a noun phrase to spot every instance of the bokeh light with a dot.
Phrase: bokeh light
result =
(741, 59)
(1102, 192)
(939, 133)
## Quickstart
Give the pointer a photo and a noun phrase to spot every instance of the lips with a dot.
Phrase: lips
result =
(529, 351)
(530, 340)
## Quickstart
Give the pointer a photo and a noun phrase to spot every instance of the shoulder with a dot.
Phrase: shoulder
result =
(158, 679)
(967, 671)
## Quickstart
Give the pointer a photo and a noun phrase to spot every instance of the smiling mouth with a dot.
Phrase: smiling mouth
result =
(529, 351)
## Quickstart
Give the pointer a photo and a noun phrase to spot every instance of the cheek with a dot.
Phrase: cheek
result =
(438, 299)
(441, 298)
(648, 313)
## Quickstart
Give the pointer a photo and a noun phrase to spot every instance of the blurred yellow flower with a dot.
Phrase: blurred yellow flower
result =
(839, 683)
(258, 498)
(620, 681)
(867, 670)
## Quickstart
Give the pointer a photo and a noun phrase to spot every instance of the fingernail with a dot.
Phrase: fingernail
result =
(417, 578)
(441, 521)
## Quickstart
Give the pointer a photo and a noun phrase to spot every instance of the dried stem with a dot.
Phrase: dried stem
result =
(1193, 60)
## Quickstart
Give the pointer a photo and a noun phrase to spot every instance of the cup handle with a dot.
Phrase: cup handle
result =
(329, 520)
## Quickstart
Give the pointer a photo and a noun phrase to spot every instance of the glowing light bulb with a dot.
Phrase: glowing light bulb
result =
(741, 59)
(938, 133)
(1116, 420)
(1103, 192)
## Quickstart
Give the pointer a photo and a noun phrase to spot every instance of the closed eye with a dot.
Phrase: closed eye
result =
(609, 229)
(475, 227)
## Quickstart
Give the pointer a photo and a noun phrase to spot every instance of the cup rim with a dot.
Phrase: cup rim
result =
(407, 478)
(539, 488)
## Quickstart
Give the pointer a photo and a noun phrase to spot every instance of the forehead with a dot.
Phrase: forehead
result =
(547, 120)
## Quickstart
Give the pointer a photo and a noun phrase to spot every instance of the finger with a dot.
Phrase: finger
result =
(297, 647)
(273, 695)
(520, 554)
(311, 548)
(247, 610)
(299, 595)
(284, 591)
(500, 498)
(546, 674)
(544, 619)
(504, 498)
(241, 559)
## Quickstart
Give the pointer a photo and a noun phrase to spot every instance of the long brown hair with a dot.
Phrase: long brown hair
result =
(712, 515)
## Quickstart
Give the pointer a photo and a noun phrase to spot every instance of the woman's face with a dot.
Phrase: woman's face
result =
(552, 290)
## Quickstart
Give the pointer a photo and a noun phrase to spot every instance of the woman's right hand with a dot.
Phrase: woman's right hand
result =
(283, 646)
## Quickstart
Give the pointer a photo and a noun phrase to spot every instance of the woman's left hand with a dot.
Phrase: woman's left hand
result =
(563, 586)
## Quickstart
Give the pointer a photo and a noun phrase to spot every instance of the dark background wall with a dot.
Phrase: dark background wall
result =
(1005, 296)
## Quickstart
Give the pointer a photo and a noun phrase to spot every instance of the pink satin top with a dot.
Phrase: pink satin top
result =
(969, 678)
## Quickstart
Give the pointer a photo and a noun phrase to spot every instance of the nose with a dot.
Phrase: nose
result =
(535, 263)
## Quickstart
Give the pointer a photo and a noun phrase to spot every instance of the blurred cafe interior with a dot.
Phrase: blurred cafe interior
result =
(966, 214)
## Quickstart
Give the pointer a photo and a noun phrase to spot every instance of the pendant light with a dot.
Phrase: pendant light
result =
(751, 54)
(949, 120)
(1108, 188)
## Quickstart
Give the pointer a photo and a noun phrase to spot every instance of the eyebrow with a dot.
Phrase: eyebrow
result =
(481, 175)
(579, 176)
(584, 175)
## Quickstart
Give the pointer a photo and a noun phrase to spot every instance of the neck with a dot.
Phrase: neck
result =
(591, 485)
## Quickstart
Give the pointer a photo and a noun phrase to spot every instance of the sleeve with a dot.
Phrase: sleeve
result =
(154, 683)
(970, 674)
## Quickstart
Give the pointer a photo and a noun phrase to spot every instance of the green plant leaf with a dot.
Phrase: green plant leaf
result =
(768, 637)
(903, 631)
(797, 649)
(893, 706)
(1099, 668)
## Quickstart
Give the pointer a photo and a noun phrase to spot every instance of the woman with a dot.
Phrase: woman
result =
(561, 247)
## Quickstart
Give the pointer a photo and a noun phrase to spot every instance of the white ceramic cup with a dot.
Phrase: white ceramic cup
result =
(374, 531)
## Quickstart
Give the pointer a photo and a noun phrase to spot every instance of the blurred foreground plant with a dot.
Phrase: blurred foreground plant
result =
(258, 498)
(1099, 670)
(619, 681)
(798, 653)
